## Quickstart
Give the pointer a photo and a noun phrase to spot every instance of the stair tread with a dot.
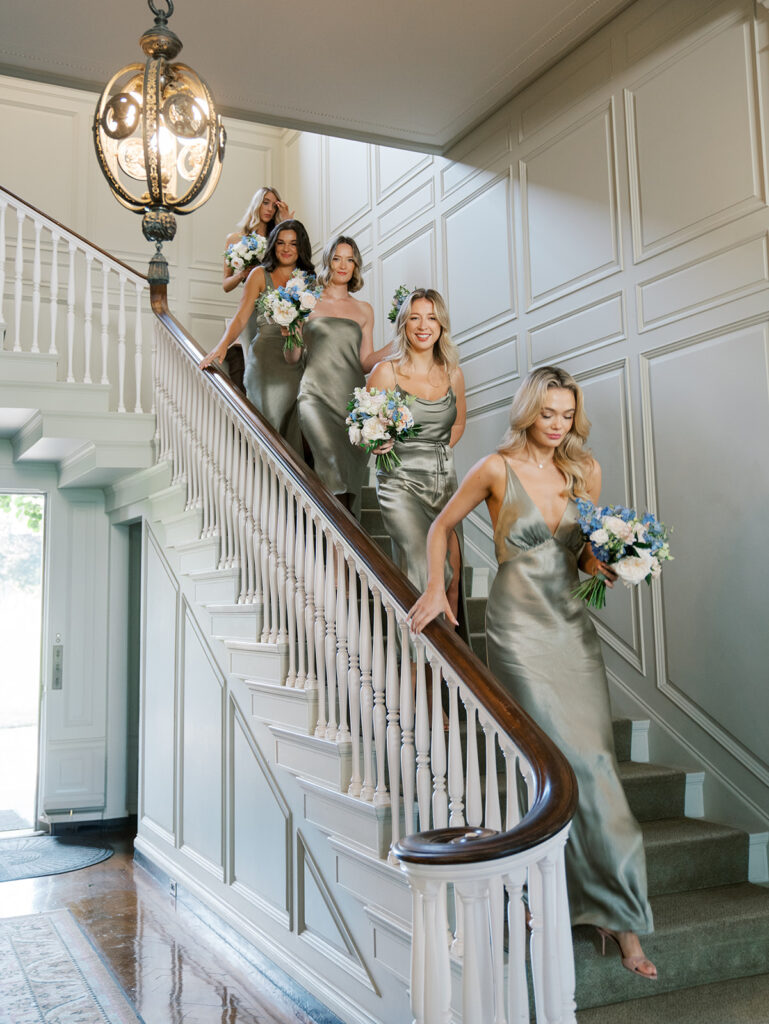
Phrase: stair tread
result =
(633, 771)
(736, 1001)
(674, 830)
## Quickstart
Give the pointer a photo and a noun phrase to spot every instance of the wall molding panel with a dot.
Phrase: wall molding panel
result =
(575, 334)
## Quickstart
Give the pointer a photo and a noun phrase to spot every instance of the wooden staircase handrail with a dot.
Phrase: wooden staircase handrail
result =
(52, 222)
(555, 798)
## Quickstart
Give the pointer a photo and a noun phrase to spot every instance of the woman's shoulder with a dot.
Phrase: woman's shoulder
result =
(383, 374)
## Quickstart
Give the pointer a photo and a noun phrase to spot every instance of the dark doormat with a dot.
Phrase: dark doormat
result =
(10, 821)
(47, 855)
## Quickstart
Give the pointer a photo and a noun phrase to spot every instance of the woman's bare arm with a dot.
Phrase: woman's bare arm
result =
(458, 384)
(253, 288)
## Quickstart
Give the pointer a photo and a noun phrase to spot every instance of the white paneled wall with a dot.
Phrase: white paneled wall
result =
(613, 219)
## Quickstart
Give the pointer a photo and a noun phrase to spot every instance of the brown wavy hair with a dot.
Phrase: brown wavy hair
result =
(324, 274)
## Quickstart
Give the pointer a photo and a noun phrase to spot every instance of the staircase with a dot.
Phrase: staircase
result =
(711, 924)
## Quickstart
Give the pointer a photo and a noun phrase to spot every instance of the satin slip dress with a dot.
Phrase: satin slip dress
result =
(412, 494)
(543, 648)
(332, 370)
(271, 383)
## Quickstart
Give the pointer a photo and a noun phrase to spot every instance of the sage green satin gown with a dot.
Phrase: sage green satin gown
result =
(543, 648)
(271, 383)
(332, 369)
(411, 495)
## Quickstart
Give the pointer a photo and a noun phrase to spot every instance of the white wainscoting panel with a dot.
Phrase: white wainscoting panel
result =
(348, 181)
(574, 334)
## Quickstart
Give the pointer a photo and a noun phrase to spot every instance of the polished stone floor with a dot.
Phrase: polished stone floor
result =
(172, 967)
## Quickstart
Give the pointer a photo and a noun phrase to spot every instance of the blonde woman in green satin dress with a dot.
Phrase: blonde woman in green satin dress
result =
(412, 494)
(338, 346)
(542, 645)
(271, 383)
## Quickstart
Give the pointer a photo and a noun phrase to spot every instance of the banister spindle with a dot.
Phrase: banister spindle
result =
(18, 288)
(138, 342)
(272, 529)
(392, 697)
(36, 278)
(311, 680)
(342, 655)
(422, 741)
(330, 616)
(492, 814)
(366, 692)
(88, 319)
(71, 315)
(320, 629)
(353, 646)
(300, 599)
(3, 207)
(53, 291)
(378, 680)
(438, 751)
(291, 513)
(408, 751)
(105, 269)
(473, 803)
(121, 346)
(456, 781)
(280, 562)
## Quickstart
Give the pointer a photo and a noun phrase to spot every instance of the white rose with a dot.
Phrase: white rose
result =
(599, 538)
(377, 402)
(356, 434)
(307, 300)
(633, 569)
(619, 528)
(284, 313)
(374, 430)
(236, 263)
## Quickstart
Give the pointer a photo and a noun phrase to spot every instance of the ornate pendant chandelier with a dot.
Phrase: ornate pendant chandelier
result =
(159, 140)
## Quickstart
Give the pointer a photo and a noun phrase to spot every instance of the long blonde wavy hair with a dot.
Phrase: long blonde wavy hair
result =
(250, 219)
(445, 351)
(571, 456)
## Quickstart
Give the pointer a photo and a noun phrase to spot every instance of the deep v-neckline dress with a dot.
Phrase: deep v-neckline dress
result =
(544, 649)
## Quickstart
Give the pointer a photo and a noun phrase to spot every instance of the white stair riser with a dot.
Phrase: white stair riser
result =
(169, 502)
(348, 819)
(263, 663)
(322, 761)
(183, 528)
(245, 624)
(222, 590)
(203, 554)
(284, 705)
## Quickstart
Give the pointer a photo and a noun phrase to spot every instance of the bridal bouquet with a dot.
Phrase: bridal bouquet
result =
(290, 305)
(245, 253)
(401, 293)
(377, 416)
(634, 546)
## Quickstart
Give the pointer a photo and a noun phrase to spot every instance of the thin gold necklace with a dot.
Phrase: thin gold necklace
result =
(540, 465)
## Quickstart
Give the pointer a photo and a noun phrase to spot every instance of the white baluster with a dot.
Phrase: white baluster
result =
(430, 965)
(565, 953)
(71, 315)
(18, 282)
(456, 779)
(36, 277)
(408, 751)
(517, 987)
(105, 324)
(543, 902)
(330, 649)
(311, 680)
(496, 924)
(438, 752)
(474, 808)
(353, 642)
(138, 285)
(492, 811)
(3, 207)
(320, 629)
(121, 346)
(366, 692)
(378, 680)
(512, 810)
(477, 974)
(264, 553)
(53, 289)
(393, 701)
(255, 505)
(422, 741)
(301, 600)
(342, 658)
(275, 601)
(280, 547)
(88, 315)
(291, 587)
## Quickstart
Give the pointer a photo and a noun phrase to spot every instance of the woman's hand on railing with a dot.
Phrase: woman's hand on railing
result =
(216, 355)
(429, 606)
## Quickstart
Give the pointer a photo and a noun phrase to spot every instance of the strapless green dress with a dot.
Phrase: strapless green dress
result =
(271, 383)
(332, 369)
(412, 494)
(543, 648)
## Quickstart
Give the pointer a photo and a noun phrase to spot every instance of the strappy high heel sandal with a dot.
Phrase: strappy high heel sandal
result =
(630, 963)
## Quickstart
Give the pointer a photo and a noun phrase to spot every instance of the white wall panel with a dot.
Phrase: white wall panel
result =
(480, 276)
(348, 182)
(694, 138)
(411, 262)
(570, 209)
(396, 167)
(584, 330)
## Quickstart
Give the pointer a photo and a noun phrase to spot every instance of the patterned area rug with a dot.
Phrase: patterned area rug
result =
(10, 820)
(49, 973)
(47, 855)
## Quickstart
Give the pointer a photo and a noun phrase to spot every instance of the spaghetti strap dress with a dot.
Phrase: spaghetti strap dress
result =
(412, 494)
(332, 370)
(271, 383)
(543, 648)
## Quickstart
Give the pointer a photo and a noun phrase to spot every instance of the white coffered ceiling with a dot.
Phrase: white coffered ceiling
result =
(419, 73)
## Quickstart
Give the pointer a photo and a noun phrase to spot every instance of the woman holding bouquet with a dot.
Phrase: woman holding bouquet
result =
(542, 644)
(265, 210)
(338, 340)
(271, 383)
(426, 372)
